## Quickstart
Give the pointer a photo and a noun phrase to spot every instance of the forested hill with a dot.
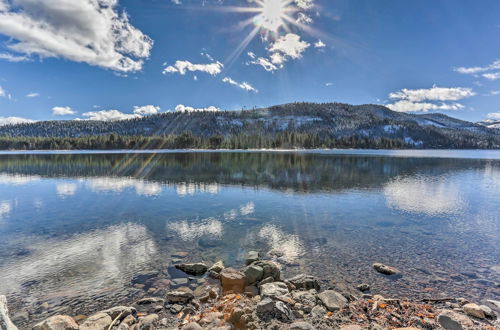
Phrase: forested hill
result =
(318, 122)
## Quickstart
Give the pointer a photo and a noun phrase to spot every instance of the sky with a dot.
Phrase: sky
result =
(120, 59)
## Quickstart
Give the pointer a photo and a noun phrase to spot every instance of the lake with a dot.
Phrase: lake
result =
(80, 231)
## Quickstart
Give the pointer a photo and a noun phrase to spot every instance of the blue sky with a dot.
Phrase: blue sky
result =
(103, 59)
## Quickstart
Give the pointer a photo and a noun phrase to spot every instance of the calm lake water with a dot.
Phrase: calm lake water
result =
(76, 229)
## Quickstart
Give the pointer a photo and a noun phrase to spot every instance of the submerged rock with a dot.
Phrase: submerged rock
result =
(332, 300)
(384, 269)
(5, 322)
(363, 287)
(193, 269)
(179, 297)
(57, 322)
(251, 256)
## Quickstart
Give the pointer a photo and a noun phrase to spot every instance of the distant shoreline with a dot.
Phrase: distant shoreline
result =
(486, 154)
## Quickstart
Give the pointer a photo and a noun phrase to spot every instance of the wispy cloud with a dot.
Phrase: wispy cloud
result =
(13, 58)
(243, 85)
(182, 67)
(489, 71)
(31, 95)
(494, 115)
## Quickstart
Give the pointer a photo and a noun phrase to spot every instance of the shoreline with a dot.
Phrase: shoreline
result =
(257, 296)
(485, 154)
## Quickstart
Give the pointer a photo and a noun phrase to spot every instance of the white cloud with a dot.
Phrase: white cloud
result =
(492, 76)
(88, 31)
(328, 84)
(289, 45)
(63, 111)
(146, 110)
(319, 44)
(251, 55)
(303, 19)
(13, 58)
(409, 106)
(494, 115)
(479, 69)
(433, 94)
(14, 121)
(183, 108)
(176, 2)
(182, 67)
(244, 85)
(304, 4)
(265, 63)
(109, 115)
(31, 95)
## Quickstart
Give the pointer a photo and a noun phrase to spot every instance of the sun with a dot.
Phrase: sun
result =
(272, 14)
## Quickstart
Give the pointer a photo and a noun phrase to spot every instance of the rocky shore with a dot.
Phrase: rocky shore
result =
(258, 297)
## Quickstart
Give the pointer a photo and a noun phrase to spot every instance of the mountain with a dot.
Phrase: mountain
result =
(331, 121)
(490, 123)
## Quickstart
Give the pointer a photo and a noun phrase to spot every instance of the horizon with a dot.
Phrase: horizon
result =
(129, 60)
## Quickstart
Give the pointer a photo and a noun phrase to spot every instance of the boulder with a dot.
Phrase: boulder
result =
(332, 300)
(251, 257)
(99, 321)
(451, 320)
(384, 269)
(254, 273)
(57, 322)
(274, 289)
(270, 270)
(182, 297)
(474, 310)
(304, 282)
(233, 280)
(5, 322)
(193, 269)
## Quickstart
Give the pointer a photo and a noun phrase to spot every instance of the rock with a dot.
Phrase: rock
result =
(251, 257)
(363, 287)
(273, 290)
(384, 269)
(306, 298)
(179, 281)
(99, 321)
(176, 308)
(251, 291)
(318, 311)
(233, 280)
(487, 311)
(193, 269)
(301, 326)
(192, 326)
(270, 270)
(182, 297)
(150, 301)
(143, 277)
(266, 280)
(148, 322)
(124, 311)
(451, 320)
(19, 317)
(305, 282)
(474, 310)
(217, 267)
(57, 322)
(5, 322)
(128, 320)
(254, 273)
(268, 309)
(333, 301)
(180, 254)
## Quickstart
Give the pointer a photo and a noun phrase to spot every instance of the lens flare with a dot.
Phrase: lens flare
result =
(272, 14)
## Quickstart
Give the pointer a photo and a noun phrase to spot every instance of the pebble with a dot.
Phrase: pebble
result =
(332, 300)
(384, 269)
(451, 320)
(474, 310)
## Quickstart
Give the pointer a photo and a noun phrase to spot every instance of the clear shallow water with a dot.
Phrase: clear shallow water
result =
(76, 228)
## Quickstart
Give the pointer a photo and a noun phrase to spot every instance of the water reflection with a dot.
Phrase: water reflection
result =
(83, 262)
(185, 189)
(17, 179)
(423, 194)
(286, 246)
(5, 208)
(119, 184)
(189, 231)
(66, 189)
